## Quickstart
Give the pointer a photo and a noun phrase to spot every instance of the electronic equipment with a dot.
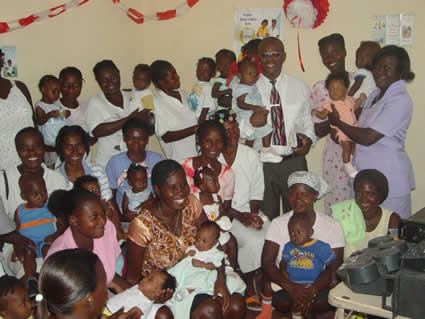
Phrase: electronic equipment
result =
(413, 229)
(393, 268)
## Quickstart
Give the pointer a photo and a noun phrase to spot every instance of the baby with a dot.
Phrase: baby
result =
(14, 300)
(33, 219)
(143, 295)
(208, 184)
(200, 100)
(363, 78)
(248, 101)
(49, 115)
(139, 195)
(197, 270)
(337, 86)
(304, 258)
(141, 96)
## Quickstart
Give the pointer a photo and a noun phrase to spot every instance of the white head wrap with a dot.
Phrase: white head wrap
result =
(310, 179)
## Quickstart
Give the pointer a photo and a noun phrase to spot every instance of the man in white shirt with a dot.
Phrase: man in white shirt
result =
(274, 31)
(287, 99)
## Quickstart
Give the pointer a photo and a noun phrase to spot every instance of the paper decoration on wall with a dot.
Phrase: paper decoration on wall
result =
(395, 29)
(10, 68)
(256, 23)
(39, 16)
(139, 17)
(306, 14)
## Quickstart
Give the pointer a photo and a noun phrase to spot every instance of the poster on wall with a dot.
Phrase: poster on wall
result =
(256, 23)
(10, 68)
(393, 29)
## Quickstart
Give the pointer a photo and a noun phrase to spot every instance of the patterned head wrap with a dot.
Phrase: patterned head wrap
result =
(316, 182)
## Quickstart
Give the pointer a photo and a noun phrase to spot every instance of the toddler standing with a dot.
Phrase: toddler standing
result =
(141, 96)
(200, 100)
(14, 300)
(337, 86)
(49, 115)
(363, 78)
(33, 219)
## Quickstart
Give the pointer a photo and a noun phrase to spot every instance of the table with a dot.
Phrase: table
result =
(343, 298)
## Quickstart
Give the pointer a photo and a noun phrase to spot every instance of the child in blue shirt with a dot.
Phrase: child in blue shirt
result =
(304, 258)
(33, 219)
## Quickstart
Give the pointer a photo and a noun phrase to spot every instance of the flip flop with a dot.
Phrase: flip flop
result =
(253, 303)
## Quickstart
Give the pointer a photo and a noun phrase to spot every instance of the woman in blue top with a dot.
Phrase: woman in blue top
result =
(136, 134)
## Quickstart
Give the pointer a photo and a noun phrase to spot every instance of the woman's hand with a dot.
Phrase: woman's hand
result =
(166, 294)
(301, 294)
(251, 220)
(305, 145)
(220, 290)
(133, 313)
(333, 116)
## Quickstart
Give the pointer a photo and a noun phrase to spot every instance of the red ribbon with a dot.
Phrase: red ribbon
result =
(62, 10)
(28, 20)
(299, 52)
(135, 15)
(4, 27)
(166, 15)
(191, 3)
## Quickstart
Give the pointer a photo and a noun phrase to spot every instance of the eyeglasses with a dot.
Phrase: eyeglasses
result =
(273, 54)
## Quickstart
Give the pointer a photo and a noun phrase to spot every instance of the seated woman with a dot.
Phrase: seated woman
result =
(136, 134)
(304, 189)
(72, 145)
(30, 147)
(90, 229)
(211, 139)
(249, 224)
(72, 284)
(159, 237)
(362, 218)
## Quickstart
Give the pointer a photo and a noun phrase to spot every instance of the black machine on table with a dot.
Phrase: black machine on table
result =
(393, 268)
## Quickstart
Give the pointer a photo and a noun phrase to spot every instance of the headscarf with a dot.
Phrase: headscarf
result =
(310, 179)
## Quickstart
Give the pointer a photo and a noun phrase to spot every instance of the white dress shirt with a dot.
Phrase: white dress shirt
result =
(295, 97)
(173, 115)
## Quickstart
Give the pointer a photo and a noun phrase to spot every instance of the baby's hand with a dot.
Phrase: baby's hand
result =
(54, 113)
(190, 253)
(66, 113)
(201, 264)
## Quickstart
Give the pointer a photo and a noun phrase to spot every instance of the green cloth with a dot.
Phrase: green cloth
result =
(350, 217)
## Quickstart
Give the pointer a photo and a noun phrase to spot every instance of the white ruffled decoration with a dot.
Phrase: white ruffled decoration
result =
(301, 13)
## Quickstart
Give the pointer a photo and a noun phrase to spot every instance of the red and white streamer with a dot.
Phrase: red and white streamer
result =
(39, 16)
(139, 17)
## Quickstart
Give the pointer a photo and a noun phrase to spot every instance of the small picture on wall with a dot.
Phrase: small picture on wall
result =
(9, 67)
(256, 23)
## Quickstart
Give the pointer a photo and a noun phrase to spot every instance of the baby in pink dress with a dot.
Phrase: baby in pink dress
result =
(337, 86)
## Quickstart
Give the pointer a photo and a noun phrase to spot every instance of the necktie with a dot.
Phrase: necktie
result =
(276, 113)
